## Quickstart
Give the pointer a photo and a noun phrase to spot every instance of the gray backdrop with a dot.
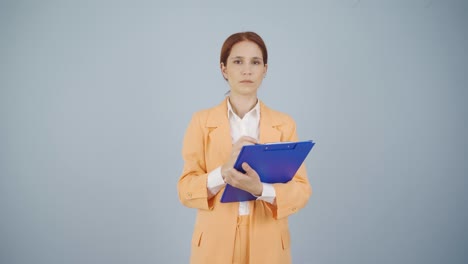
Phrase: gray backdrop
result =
(95, 98)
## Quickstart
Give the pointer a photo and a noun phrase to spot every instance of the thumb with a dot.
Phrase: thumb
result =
(247, 168)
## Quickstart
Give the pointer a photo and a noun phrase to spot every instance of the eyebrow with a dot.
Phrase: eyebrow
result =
(240, 57)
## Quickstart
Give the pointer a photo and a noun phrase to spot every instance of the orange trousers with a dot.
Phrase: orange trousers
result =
(241, 244)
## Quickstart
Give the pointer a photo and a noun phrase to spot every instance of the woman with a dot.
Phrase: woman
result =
(240, 232)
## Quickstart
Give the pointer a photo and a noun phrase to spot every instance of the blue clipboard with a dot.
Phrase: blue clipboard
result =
(274, 163)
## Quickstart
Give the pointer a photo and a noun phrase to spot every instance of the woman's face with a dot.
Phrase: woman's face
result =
(244, 68)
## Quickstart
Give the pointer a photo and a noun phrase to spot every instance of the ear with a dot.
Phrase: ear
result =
(223, 70)
(265, 70)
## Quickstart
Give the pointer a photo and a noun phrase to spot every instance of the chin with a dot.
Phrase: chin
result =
(246, 91)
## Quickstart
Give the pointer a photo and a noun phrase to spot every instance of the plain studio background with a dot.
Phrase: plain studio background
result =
(95, 99)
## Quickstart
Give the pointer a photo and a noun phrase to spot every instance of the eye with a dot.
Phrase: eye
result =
(237, 62)
(256, 62)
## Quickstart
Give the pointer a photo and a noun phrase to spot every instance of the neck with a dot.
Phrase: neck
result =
(242, 104)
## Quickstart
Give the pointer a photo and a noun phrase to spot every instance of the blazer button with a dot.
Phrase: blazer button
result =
(189, 194)
(293, 209)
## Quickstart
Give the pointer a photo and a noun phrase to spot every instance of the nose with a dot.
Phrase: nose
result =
(247, 70)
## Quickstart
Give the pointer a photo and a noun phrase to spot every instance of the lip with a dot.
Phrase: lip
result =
(246, 81)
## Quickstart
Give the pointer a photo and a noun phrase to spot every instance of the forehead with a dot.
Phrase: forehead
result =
(246, 49)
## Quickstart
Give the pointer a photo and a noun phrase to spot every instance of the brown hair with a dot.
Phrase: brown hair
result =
(242, 36)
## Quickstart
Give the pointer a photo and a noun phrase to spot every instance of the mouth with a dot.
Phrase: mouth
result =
(246, 81)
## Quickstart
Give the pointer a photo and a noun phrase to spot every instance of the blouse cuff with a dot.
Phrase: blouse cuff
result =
(215, 181)
(268, 193)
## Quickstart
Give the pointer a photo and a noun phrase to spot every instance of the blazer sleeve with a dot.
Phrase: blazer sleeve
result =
(293, 195)
(192, 184)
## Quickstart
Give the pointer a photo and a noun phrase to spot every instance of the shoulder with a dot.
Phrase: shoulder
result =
(201, 114)
(277, 117)
(207, 115)
(281, 121)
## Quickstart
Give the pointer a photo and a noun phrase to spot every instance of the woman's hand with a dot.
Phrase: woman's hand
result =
(250, 181)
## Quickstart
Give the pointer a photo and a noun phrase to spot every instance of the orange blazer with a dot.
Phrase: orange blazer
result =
(207, 145)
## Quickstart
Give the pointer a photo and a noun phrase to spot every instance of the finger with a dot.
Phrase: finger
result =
(233, 181)
(239, 180)
(228, 178)
(248, 170)
(247, 140)
(233, 176)
(246, 167)
(243, 141)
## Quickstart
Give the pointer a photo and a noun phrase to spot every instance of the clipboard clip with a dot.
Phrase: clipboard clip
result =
(284, 146)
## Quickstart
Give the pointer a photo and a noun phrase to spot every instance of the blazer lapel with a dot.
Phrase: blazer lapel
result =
(268, 131)
(219, 133)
